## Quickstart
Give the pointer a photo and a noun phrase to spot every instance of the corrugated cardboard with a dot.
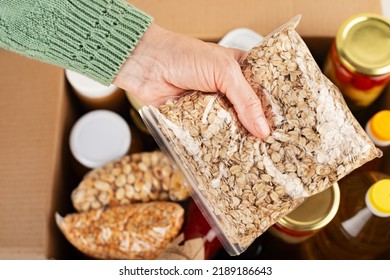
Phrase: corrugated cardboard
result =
(211, 19)
(30, 107)
(37, 111)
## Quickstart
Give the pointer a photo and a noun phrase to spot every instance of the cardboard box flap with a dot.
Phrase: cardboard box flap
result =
(212, 19)
(29, 105)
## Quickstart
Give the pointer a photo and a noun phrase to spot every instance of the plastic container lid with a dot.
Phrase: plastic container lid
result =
(99, 137)
(88, 87)
(363, 44)
(380, 125)
(378, 198)
(241, 38)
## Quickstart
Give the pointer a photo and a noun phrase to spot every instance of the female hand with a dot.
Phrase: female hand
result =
(166, 64)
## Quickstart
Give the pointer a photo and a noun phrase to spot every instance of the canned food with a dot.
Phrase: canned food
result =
(310, 217)
(358, 62)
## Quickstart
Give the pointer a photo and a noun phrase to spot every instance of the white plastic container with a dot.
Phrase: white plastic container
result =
(93, 94)
(99, 137)
(241, 38)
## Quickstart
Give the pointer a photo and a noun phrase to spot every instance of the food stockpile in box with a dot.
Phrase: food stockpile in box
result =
(139, 206)
(127, 209)
(242, 184)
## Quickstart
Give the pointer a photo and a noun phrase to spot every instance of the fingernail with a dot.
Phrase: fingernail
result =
(262, 127)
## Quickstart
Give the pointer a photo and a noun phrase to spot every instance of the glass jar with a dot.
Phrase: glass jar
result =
(358, 62)
(286, 238)
(310, 217)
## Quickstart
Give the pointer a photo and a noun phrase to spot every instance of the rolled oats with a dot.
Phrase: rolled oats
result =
(138, 231)
(247, 184)
(146, 176)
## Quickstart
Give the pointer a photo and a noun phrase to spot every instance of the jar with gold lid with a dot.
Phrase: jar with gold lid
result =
(358, 62)
(286, 238)
(310, 217)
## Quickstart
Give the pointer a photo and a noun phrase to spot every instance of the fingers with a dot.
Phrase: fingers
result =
(239, 54)
(246, 103)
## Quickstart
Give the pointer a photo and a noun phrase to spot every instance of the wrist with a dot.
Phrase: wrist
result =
(148, 63)
(134, 62)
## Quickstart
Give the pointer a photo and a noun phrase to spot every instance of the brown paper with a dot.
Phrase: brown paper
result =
(192, 249)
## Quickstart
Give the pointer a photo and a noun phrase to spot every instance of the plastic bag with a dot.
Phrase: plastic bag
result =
(139, 177)
(139, 231)
(242, 184)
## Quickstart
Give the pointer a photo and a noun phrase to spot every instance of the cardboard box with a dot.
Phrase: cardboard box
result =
(37, 110)
(210, 20)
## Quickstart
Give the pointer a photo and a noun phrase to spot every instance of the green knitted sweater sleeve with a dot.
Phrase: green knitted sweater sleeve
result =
(92, 37)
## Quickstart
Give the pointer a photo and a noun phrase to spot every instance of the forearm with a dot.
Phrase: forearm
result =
(91, 37)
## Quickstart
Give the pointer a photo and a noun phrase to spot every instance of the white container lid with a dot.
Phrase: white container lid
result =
(88, 87)
(241, 38)
(99, 137)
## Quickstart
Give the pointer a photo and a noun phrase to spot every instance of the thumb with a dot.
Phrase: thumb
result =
(245, 101)
(248, 107)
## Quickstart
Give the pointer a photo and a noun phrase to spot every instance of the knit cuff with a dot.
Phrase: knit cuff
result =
(97, 38)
